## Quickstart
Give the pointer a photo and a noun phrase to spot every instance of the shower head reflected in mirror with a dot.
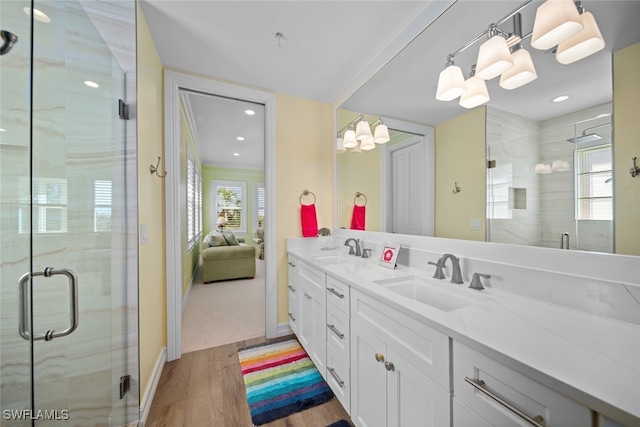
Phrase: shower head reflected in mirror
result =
(587, 137)
(9, 40)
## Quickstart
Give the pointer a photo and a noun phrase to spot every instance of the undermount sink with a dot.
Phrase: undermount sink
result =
(331, 259)
(437, 294)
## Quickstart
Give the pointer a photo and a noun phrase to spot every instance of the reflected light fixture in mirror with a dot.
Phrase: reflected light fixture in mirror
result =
(476, 94)
(339, 145)
(555, 22)
(349, 138)
(381, 134)
(585, 43)
(363, 130)
(367, 144)
(361, 138)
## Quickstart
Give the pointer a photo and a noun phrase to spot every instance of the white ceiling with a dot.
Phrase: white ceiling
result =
(330, 48)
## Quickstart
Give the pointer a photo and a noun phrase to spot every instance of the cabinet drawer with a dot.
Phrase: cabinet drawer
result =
(293, 269)
(338, 294)
(338, 378)
(465, 417)
(501, 383)
(423, 347)
(338, 336)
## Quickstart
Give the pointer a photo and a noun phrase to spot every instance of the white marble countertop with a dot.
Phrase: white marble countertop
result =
(592, 359)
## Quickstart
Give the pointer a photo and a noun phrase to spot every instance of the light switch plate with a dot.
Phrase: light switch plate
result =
(475, 224)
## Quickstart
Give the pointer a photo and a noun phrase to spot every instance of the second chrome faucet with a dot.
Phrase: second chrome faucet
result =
(456, 274)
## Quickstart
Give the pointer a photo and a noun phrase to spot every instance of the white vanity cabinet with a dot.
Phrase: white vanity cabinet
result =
(293, 293)
(488, 393)
(339, 341)
(399, 368)
(312, 315)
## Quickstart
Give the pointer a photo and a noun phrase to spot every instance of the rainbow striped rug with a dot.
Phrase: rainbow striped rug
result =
(280, 380)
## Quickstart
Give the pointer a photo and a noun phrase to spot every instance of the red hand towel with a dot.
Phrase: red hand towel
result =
(309, 220)
(357, 219)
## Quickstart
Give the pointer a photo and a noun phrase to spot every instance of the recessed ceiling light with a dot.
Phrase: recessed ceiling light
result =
(599, 116)
(91, 84)
(38, 15)
(560, 98)
(236, 154)
(240, 138)
(2, 130)
(249, 112)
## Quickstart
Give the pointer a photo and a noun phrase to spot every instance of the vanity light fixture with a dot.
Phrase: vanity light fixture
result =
(349, 140)
(556, 21)
(451, 83)
(561, 23)
(542, 168)
(339, 145)
(494, 57)
(477, 93)
(381, 134)
(367, 144)
(585, 43)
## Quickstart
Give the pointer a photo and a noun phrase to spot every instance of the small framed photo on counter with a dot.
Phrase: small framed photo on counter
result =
(388, 255)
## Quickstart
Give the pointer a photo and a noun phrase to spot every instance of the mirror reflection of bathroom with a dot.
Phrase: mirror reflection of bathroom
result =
(394, 179)
(552, 181)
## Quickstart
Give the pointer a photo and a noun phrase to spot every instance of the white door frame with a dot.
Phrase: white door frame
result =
(174, 207)
(425, 133)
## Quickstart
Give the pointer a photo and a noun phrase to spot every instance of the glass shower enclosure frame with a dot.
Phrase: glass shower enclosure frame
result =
(68, 256)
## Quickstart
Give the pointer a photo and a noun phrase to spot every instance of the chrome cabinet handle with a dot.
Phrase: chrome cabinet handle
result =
(537, 421)
(389, 366)
(336, 331)
(291, 316)
(292, 288)
(336, 377)
(24, 285)
(336, 293)
(379, 357)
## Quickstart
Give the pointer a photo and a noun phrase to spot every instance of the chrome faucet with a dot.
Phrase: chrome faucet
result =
(357, 244)
(456, 275)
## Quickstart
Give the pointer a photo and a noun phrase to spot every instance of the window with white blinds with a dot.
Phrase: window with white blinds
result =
(259, 204)
(48, 205)
(594, 183)
(230, 201)
(194, 202)
(102, 206)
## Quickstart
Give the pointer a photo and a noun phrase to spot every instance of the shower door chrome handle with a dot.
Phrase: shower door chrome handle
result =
(562, 240)
(24, 284)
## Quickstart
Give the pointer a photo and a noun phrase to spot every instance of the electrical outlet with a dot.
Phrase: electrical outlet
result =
(143, 234)
(475, 224)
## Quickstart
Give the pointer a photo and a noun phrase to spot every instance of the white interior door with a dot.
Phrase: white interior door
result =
(411, 188)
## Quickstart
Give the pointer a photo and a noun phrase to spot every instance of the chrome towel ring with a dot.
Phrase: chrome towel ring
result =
(306, 193)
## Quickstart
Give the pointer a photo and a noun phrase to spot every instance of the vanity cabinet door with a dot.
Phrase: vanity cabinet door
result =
(312, 317)
(413, 399)
(293, 294)
(368, 379)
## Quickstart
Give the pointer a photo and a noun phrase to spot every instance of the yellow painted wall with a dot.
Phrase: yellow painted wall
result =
(190, 259)
(152, 281)
(460, 157)
(304, 160)
(626, 127)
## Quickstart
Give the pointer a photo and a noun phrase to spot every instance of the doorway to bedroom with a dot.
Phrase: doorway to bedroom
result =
(223, 142)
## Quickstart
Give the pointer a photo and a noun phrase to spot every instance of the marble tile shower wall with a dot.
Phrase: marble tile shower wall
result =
(517, 144)
(78, 140)
(512, 141)
(557, 188)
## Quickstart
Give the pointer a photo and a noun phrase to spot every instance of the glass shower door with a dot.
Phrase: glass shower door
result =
(63, 324)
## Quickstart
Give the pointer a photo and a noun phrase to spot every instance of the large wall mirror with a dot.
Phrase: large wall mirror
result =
(556, 176)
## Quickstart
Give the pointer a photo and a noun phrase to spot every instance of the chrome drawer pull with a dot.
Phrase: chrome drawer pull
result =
(537, 421)
(336, 293)
(292, 288)
(291, 316)
(336, 331)
(335, 377)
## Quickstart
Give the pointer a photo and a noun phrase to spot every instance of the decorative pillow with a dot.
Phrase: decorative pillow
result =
(216, 239)
(230, 238)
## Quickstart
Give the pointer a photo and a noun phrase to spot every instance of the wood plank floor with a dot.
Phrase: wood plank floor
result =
(205, 388)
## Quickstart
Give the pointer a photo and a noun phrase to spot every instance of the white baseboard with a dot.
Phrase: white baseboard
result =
(284, 329)
(186, 295)
(149, 393)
